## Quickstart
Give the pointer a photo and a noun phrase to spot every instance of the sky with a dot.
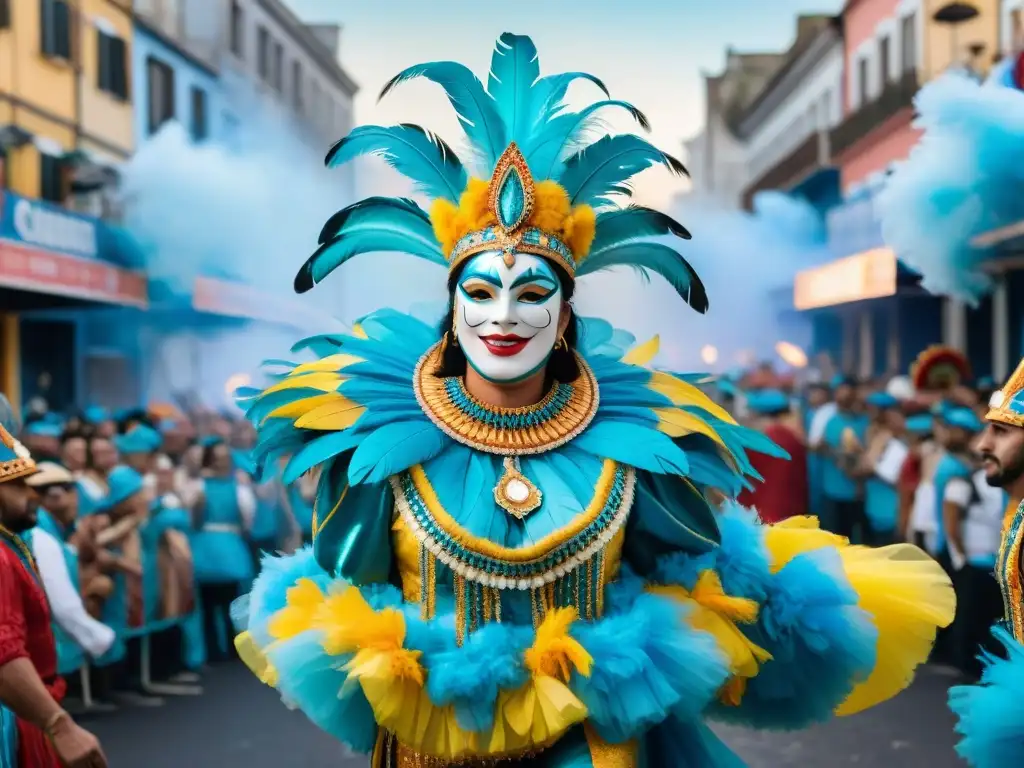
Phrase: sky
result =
(649, 52)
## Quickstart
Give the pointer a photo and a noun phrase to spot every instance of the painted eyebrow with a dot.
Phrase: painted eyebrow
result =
(490, 276)
(533, 275)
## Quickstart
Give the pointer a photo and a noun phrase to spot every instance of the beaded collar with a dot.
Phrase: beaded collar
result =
(563, 414)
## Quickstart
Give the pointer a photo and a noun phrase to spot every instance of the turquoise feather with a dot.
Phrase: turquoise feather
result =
(635, 445)
(477, 111)
(548, 94)
(319, 451)
(395, 447)
(633, 223)
(412, 151)
(340, 249)
(398, 212)
(593, 175)
(653, 257)
(514, 69)
(563, 134)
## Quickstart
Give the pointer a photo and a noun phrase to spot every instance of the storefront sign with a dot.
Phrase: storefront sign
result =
(40, 224)
(868, 275)
(32, 269)
(231, 299)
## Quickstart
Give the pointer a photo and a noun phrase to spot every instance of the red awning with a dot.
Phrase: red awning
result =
(31, 269)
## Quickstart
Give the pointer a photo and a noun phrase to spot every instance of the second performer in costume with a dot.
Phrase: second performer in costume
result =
(514, 553)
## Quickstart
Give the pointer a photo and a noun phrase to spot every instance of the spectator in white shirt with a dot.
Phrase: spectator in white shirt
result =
(56, 554)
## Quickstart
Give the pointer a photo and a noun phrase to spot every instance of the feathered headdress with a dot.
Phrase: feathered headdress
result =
(546, 192)
(939, 367)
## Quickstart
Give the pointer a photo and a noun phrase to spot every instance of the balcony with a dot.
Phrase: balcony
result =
(897, 96)
(789, 170)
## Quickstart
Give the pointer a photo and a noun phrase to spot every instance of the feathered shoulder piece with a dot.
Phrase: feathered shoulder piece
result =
(539, 186)
(364, 402)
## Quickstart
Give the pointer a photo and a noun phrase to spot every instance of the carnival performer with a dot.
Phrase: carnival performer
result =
(36, 732)
(514, 555)
(991, 719)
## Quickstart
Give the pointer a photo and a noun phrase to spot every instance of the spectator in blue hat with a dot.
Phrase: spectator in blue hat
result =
(783, 491)
(223, 509)
(817, 399)
(879, 467)
(942, 499)
(840, 444)
(101, 458)
(138, 448)
(42, 438)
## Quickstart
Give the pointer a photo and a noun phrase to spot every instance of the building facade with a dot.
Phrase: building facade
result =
(716, 158)
(786, 128)
(65, 127)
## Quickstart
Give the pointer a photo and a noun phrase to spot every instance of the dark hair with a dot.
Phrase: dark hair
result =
(562, 363)
(209, 452)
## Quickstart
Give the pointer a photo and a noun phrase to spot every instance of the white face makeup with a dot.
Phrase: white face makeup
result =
(507, 318)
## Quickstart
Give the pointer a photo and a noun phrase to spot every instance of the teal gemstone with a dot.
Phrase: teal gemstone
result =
(511, 199)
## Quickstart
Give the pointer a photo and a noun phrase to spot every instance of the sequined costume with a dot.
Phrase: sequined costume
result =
(546, 583)
(25, 626)
(991, 719)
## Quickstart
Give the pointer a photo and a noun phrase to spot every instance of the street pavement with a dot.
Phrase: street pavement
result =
(239, 722)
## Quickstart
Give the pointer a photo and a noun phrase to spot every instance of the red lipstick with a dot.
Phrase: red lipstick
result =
(504, 345)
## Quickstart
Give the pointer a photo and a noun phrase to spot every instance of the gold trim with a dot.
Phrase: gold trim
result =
(511, 160)
(407, 757)
(20, 466)
(536, 551)
(521, 508)
(568, 424)
(520, 247)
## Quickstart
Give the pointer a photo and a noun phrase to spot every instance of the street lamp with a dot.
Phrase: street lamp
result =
(953, 15)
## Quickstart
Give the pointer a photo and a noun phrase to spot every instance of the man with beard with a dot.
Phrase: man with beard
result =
(37, 733)
(991, 716)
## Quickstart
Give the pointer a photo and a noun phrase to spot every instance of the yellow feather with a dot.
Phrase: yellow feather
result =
(642, 354)
(358, 332)
(329, 363)
(677, 423)
(297, 408)
(339, 414)
(683, 393)
(324, 381)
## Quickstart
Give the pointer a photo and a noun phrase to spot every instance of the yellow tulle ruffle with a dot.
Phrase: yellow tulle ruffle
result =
(393, 679)
(905, 591)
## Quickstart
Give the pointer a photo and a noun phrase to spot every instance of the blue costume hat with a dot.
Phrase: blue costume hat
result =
(96, 414)
(124, 482)
(882, 400)
(210, 440)
(43, 429)
(961, 417)
(768, 401)
(921, 424)
(141, 439)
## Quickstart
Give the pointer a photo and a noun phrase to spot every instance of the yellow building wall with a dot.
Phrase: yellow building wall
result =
(107, 123)
(945, 44)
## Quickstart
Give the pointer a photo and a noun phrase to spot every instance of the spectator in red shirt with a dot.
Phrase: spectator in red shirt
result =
(784, 490)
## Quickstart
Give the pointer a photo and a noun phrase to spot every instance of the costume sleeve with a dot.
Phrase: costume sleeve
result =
(65, 602)
(810, 626)
(246, 504)
(12, 614)
(958, 492)
(991, 719)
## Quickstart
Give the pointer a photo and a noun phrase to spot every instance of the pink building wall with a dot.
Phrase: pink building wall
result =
(860, 19)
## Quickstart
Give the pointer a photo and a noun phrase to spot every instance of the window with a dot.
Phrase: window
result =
(55, 29)
(263, 53)
(297, 86)
(200, 127)
(51, 178)
(908, 43)
(826, 109)
(862, 85)
(160, 83)
(277, 72)
(112, 71)
(884, 46)
(315, 107)
(5, 14)
(237, 30)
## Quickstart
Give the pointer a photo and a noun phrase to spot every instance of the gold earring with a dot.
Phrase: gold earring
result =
(560, 344)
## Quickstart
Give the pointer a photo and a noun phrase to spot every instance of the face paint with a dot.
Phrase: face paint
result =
(506, 318)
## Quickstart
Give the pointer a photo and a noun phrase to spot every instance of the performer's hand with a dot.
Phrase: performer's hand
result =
(75, 746)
